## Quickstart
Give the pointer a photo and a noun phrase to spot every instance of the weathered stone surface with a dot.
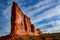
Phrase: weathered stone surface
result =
(28, 24)
(17, 21)
(38, 32)
(32, 28)
(20, 23)
(21, 26)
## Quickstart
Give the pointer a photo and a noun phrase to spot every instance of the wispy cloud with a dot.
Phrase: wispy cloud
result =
(55, 27)
(40, 7)
(48, 14)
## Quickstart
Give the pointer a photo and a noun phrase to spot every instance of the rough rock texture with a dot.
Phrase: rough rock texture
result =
(20, 23)
(37, 32)
(17, 21)
(21, 26)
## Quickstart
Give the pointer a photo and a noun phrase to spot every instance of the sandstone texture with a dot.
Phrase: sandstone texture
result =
(21, 26)
(20, 23)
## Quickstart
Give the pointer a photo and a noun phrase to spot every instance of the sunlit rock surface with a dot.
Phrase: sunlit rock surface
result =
(21, 26)
(20, 23)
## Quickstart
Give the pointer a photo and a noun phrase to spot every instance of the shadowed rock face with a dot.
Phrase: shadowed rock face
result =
(32, 30)
(17, 21)
(20, 25)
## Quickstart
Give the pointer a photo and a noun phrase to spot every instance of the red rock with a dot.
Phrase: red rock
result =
(17, 21)
(38, 32)
(21, 25)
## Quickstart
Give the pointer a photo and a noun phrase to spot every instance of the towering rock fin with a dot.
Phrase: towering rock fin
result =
(20, 23)
(17, 20)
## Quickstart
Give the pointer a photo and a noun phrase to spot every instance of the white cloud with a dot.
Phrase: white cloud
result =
(54, 29)
(38, 7)
(47, 14)
(43, 25)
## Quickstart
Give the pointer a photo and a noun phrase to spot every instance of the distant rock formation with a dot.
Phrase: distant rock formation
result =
(21, 26)
(20, 23)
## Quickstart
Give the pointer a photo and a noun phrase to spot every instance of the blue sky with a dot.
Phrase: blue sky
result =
(44, 14)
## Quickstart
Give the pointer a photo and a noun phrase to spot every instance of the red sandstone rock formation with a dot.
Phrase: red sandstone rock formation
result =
(17, 21)
(20, 25)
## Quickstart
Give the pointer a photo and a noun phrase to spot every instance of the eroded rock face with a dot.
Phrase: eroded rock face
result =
(20, 25)
(17, 21)
(38, 32)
